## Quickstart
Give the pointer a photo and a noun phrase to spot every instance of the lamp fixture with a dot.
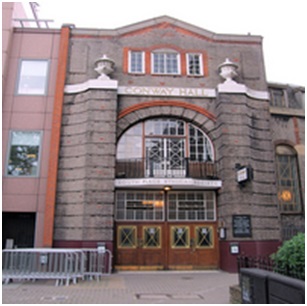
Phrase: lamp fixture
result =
(167, 188)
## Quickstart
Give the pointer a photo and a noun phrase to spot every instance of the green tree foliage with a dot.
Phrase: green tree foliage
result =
(290, 258)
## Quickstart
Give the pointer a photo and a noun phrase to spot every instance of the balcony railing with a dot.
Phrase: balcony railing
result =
(178, 168)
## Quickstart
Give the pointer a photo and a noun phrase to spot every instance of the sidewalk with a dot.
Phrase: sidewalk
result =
(200, 287)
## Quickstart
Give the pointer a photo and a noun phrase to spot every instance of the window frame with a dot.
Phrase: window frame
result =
(204, 206)
(18, 78)
(165, 52)
(136, 212)
(40, 133)
(201, 64)
(130, 62)
(286, 100)
(144, 134)
(292, 190)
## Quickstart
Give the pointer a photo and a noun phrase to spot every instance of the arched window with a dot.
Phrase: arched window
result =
(165, 147)
(289, 196)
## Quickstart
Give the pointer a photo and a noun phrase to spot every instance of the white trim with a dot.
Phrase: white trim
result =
(234, 87)
(91, 84)
(161, 91)
(182, 183)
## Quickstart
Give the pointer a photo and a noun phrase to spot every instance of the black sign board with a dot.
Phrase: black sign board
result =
(241, 226)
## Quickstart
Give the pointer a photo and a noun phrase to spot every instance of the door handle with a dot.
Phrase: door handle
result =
(192, 244)
(140, 243)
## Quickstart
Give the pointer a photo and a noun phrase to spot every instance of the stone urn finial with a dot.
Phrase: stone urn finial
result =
(104, 67)
(228, 70)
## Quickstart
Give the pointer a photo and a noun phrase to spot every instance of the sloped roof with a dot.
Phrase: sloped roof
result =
(165, 22)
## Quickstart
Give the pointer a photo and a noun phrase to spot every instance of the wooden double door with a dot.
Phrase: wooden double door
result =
(166, 245)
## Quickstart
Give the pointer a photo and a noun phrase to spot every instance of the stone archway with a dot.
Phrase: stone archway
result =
(186, 111)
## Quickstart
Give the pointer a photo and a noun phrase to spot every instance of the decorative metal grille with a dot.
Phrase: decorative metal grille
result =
(152, 236)
(180, 237)
(126, 237)
(204, 236)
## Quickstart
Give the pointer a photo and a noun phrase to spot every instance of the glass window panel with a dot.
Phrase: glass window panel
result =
(194, 64)
(180, 237)
(200, 147)
(204, 236)
(152, 237)
(141, 206)
(165, 63)
(288, 179)
(120, 214)
(278, 98)
(33, 77)
(136, 62)
(24, 153)
(127, 237)
(191, 206)
(130, 144)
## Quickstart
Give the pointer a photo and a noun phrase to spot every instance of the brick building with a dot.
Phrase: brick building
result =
(160, 139)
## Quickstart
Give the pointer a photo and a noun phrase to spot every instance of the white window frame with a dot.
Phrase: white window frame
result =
(130, 68)
(39, 153)
(201, 69)
(43, 92)
(138, 215)
(165, 52)
(187, 218)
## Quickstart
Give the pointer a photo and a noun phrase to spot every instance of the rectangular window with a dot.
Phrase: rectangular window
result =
(288, 183)
(136, 62)
(194, 63)
(32, 77)
(24, 153)
(126, 237)
(186, 206)
(138, 206)
(204, 236)
(165, 63)
(180, 237)
(278, 98)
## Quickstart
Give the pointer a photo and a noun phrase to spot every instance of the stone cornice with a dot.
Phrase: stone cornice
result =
(91, 84)
(162, 91)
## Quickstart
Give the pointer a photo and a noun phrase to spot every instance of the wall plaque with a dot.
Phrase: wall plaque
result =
(241, 226)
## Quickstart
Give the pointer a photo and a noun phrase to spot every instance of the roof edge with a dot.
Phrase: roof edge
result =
(153, 22)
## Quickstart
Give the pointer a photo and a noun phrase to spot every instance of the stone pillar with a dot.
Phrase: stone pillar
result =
(243, 137)
(85, 190)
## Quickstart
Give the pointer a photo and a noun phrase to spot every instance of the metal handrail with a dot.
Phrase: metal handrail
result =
(164, 167)
(24, 21)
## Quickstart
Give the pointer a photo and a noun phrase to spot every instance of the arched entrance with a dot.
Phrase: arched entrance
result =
(161, 226)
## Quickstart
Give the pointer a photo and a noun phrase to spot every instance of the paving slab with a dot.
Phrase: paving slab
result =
(166, 287)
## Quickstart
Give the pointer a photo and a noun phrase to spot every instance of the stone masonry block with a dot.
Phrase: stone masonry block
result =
(72, 185)
(65, 233)
(72, 162)
(76, 197)
(102, 184)
(103, 234)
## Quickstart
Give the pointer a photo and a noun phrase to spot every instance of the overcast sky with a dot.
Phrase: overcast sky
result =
(281, 23)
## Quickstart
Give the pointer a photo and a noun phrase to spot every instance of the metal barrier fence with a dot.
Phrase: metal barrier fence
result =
(62, 265)
(97, 263)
